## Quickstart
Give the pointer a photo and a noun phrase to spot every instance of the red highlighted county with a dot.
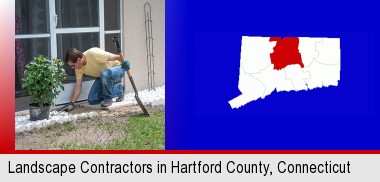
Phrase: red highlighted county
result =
(285, 52)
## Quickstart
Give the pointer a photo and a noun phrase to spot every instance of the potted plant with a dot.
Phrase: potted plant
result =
(43, 78)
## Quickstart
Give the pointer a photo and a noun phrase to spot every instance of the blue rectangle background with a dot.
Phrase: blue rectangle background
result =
(203, 41)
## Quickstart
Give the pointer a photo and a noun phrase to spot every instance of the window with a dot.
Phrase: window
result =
(77, 13)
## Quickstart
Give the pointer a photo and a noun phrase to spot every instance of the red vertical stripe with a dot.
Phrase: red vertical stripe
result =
(7, 76)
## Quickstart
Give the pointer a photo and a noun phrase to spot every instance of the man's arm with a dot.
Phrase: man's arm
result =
(77, 90)
(124, 63)
(113, 57)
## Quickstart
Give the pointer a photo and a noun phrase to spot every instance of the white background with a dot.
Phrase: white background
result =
(364, 167)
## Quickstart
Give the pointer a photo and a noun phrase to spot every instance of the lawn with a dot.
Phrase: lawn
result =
(116, 130)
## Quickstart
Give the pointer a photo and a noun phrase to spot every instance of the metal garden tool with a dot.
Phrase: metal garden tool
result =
(116, 43)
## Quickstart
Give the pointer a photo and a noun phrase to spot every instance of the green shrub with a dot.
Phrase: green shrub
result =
(43, 78)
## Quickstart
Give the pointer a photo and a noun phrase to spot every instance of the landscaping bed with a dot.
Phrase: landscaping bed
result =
(123, 128)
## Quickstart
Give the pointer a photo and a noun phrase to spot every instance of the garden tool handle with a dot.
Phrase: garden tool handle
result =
(122, 57)
(129, 75)
(116, 42)
(117, 45)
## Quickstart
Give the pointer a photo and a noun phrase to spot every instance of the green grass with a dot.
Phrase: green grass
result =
(142, 133)
(146, 132)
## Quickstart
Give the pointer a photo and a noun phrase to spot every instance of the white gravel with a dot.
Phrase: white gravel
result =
(24, 124)
(153, 97)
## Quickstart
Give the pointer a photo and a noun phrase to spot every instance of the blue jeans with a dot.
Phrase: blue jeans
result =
(104, 87)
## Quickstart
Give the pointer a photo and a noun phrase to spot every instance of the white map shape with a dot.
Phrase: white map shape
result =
(258, 78)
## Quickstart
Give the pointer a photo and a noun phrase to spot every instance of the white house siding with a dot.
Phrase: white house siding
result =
(134, 45)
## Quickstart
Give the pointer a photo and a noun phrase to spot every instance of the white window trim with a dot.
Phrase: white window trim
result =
(101, 24)
(31, 36)
(53, 25)
(77, 30)
(112, 32)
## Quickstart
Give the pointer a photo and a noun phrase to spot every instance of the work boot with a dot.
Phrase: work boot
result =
(106, 103)
(121, 96)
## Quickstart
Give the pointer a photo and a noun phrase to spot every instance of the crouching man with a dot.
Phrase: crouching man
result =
(108, 69)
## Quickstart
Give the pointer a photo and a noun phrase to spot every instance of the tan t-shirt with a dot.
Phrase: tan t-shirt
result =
(96, 63)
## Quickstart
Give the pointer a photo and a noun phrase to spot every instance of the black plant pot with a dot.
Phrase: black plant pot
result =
(37, 113)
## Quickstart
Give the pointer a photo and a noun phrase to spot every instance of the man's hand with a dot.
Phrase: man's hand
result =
(67, 107)
(126, 65)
